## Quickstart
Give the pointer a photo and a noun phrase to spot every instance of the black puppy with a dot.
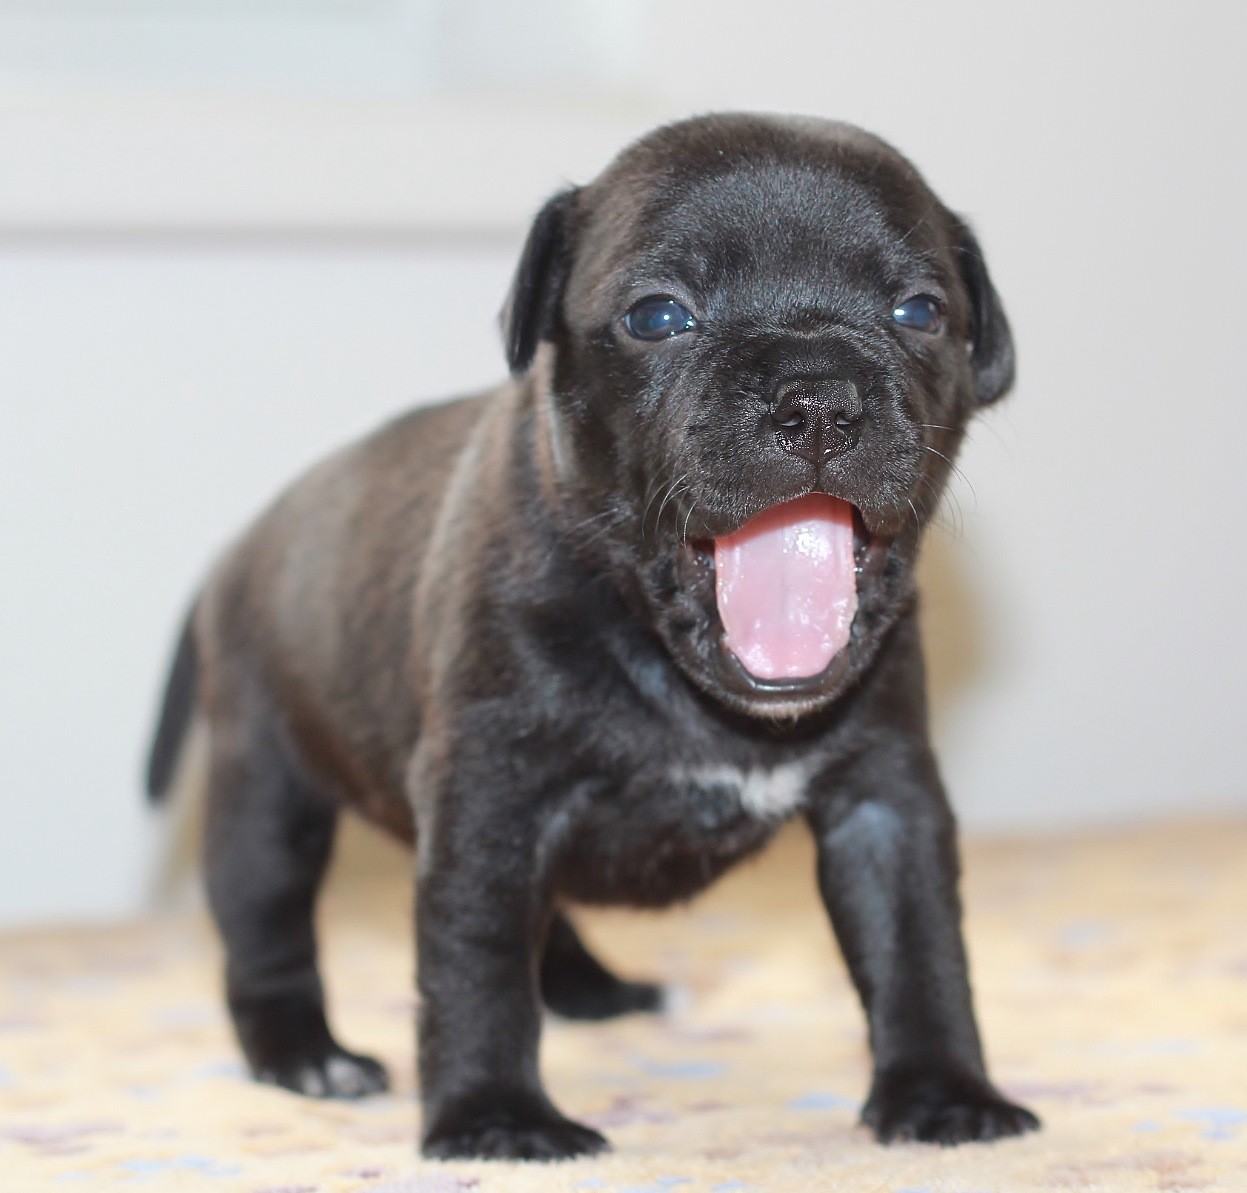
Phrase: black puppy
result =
(592, 636)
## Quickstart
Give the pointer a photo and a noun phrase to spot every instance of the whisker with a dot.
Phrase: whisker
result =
(607, 513)
(684, 532)
(678, 496)
(659, 485)
(671, 492)
(988, 424)
(969, 432)
(914, 229)
(957, 472)
(617, 519)
(955, 525)
(660, 491)
(573, 535)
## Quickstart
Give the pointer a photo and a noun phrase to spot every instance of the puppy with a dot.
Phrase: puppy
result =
(592, 636)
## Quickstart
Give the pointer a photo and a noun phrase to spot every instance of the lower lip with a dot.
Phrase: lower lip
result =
(783, 687)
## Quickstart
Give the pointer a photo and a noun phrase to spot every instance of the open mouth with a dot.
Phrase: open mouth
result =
(786, 587)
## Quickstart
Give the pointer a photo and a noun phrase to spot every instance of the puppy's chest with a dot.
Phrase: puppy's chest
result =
(665, 832)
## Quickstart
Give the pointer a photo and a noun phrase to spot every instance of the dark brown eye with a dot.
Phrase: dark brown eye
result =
(922, 312)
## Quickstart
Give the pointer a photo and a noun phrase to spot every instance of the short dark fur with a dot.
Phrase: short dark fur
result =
(491, 628)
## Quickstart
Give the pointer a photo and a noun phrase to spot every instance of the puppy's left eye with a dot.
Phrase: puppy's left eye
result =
(657, 318)
(922, 312)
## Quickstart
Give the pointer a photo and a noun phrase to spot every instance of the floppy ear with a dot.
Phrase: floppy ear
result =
(992, 356)
(531, 310)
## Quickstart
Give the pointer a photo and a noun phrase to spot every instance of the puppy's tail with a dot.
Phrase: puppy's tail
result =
(176, 712)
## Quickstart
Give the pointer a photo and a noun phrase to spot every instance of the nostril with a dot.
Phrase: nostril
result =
(790, 420)
(846, 401)
(788, 415)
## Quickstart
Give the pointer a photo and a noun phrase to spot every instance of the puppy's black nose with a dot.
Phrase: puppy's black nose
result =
(816, 418)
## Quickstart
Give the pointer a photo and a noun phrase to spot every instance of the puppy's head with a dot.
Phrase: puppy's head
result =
(765, 337)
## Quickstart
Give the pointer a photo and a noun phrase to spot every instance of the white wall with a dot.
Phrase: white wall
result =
(1090, 660)
(154, 398)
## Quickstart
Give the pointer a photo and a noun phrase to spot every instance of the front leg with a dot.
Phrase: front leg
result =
(887, 870)
(480, 919)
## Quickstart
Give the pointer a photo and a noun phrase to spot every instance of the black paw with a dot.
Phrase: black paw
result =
(941, 1108)
(528, 1131)
(333, 1073)
(576, 985)
(287, 1043)
(603, 998)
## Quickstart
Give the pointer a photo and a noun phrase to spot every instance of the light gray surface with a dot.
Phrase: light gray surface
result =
(1087, 634)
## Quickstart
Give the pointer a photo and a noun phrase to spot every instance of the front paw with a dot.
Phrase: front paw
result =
(940, 1107)
(509, 1129)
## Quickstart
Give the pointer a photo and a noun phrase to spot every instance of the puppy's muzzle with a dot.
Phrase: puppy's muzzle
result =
(816, 418)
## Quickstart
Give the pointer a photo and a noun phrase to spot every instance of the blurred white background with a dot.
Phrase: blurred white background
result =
(234, 233)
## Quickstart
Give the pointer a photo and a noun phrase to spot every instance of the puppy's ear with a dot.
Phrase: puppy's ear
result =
(992, 355)
(531, 309)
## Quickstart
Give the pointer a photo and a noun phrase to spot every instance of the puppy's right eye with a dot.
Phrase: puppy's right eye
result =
(657, 318)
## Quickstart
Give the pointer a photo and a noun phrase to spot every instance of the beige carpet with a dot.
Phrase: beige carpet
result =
(1111, 977)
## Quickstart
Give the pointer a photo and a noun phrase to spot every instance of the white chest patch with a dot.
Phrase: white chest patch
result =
(766, 793)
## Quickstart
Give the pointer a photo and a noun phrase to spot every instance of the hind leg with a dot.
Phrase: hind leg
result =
(268, 840)
(576, 985)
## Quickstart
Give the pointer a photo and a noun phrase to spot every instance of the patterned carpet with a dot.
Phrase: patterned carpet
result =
(1111, 982)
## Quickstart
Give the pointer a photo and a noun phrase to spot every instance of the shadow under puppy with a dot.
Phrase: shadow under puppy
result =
(594, 635)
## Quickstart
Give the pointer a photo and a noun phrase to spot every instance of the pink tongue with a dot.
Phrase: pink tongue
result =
(787, 588)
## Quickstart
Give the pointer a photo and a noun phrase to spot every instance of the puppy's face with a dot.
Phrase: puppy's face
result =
(767, 339)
